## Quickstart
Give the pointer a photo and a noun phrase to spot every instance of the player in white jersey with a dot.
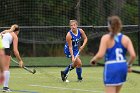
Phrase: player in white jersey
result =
(10, 36)
(1, 61)
(2, 55)
(114, 46)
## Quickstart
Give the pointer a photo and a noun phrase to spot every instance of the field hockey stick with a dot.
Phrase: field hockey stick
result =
(24, 67)
(70, 66)
(136, 71)
(133, 71)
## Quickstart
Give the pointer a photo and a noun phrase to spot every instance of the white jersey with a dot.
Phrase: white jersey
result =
(7, 40)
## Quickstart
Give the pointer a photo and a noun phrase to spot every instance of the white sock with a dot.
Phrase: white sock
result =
(6, 78)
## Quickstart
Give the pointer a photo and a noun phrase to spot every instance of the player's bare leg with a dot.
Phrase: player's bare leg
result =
(6, 74)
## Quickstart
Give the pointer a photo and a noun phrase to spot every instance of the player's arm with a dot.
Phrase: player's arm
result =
(84, 38)
(131, 51)
(68, 39)
(15, 49)
(101, 52)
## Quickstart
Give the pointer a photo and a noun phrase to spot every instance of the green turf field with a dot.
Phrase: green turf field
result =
(47, 80)
(54, 61)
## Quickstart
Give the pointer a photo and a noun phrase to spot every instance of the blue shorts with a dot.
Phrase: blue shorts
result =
(115, 74)
(68, 55)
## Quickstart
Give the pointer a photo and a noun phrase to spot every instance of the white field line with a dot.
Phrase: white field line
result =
(62, 88)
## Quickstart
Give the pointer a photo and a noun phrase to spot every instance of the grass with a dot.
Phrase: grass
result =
(53, 61)
(47, 80)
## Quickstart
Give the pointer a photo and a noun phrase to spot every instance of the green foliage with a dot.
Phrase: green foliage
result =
(130, 14)
(59, 12)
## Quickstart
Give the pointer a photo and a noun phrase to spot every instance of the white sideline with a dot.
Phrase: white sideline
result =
(62, 88)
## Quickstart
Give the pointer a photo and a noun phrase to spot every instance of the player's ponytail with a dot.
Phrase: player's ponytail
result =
(114, 25)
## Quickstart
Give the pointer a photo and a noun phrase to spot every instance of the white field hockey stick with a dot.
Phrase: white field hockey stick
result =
(27, 69)
(70, 66)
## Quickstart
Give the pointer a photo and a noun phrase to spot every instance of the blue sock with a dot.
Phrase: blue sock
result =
(68, 68)
(79, 72)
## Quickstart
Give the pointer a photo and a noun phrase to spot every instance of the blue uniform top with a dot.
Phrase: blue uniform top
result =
(75, 39)
(117, 52)
(115, 70)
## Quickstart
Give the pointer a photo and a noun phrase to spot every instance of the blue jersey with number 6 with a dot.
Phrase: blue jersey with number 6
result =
(75, 43)
(115, 70)
(117, 52)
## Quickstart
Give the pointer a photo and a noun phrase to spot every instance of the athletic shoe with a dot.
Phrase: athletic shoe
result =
(63, 76)
(6, 89)
(80, 79)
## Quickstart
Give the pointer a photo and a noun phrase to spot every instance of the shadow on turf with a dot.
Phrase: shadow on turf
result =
(131, 81)
(54, 77)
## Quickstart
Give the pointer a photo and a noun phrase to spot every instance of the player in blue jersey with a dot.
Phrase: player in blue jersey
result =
(72, 49)
(114, 46)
